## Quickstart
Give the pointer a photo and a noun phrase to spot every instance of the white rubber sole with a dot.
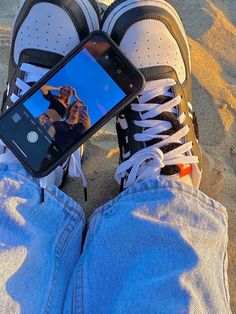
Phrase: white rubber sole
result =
(130, 4)
(90, 14)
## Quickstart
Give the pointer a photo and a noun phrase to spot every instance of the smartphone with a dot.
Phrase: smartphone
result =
(83, 109)
(68, 105)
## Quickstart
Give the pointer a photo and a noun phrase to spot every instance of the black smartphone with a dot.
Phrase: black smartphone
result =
(68, 105)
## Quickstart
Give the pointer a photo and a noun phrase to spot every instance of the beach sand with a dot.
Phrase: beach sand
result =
(211, 30)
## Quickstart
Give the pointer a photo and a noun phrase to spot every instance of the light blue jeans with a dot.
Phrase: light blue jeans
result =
(158, 247)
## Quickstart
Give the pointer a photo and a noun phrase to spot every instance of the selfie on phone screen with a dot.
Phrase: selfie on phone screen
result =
(58, 114)
(73, 100)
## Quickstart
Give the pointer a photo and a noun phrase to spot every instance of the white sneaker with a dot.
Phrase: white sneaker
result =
(157, 134)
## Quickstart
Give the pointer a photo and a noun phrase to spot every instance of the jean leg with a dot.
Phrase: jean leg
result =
(39, 243)
(159, 247)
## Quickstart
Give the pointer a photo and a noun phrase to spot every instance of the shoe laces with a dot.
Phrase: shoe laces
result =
(32, 74)
(148, 162)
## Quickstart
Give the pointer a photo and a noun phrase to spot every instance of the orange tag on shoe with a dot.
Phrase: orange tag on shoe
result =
(185, 169)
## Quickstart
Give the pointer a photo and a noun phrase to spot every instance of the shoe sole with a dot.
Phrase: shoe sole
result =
(92, 13)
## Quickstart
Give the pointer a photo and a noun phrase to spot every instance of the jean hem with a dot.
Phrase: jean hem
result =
(153, 184)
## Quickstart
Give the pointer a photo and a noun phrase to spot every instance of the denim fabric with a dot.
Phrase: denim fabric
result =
(39, 243)
(159, 247)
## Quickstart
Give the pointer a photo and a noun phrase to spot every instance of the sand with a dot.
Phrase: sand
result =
(211, 30)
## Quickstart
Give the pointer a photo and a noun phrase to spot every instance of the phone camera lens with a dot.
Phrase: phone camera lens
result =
(106, 57)
(131, 85)
(118, 71)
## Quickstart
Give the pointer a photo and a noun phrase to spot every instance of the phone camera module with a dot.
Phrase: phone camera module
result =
(131, 86)
(118, 71)
(106, 57)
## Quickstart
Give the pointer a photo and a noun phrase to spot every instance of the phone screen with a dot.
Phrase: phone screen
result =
(64, 108)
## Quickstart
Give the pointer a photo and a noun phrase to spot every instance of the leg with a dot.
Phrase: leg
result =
(39, 243)
(159, 247)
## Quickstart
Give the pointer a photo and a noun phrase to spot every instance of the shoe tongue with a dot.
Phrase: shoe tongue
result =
(130, 115)
(153, 74)
(170, 117)
(159, 100)
(44, 59)
(156, 73)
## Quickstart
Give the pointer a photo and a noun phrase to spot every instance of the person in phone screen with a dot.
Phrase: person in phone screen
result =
(66, 133)
(58, 104)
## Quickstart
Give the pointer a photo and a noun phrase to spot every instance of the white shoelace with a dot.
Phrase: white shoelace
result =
(34, 74)
(148, 162)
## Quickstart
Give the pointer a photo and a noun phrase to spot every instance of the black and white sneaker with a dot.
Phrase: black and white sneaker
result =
(158, 133)
(43, 33)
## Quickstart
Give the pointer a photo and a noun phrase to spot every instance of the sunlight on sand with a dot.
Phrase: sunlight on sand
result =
(203, 62)
(10, 259)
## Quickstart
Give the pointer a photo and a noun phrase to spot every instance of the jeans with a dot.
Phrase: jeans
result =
(158, 247)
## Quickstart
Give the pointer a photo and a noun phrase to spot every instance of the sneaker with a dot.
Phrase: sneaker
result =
(43, 33)
(157, 134)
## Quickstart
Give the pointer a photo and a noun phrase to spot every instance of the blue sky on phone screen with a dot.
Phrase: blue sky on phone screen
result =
(93, 85)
